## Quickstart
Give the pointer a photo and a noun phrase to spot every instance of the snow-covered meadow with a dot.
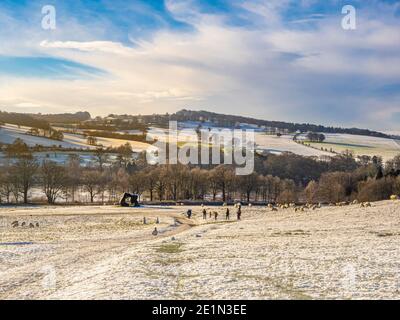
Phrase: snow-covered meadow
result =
(107, 252)
(9, 132)
(360, 145)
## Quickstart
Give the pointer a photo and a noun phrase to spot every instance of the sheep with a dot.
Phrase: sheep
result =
(155, 232)
(15, 224)
(394, 197)
(274, 209)
(366, 205)
(31, 225)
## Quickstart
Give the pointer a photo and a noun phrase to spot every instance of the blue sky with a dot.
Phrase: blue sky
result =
(275, 59)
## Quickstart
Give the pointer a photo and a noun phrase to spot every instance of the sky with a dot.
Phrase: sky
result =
(287, 60)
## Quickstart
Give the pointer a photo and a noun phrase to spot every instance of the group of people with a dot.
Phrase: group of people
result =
(227, 213)
(189, 214)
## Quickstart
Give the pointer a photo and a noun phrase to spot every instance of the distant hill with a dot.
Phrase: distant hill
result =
(231, 120)
(66, 118)
(22, 119)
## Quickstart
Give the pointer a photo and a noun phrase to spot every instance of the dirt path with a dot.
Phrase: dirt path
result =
(330, 253)
(70, 257)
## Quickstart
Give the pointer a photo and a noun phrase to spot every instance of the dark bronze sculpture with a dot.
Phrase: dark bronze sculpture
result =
(133, 200)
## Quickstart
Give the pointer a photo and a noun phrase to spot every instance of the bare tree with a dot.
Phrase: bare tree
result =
(73, 177)
(24, 171)
(91, 181)
(225, 178)
(311, 191)
(53, 180)
(248, 184)
(6, 186)
(101, 157)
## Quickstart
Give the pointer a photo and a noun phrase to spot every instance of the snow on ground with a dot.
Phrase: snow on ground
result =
(285, 143)
(9, 132)
(360, 145)
(264, 143)
(106, 252)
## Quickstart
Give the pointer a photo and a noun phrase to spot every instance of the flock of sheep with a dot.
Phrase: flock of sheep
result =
(311, 206)
(16, 224)
(274, 208)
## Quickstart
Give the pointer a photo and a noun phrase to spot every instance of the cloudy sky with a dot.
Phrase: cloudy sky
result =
(285, 60)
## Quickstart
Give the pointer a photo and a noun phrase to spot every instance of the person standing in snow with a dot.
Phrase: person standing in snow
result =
(239, 212)
(227, 214)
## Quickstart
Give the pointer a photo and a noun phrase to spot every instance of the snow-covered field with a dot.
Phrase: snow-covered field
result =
(9, 132)
(108, 253)
(285, 143)
(361, 145)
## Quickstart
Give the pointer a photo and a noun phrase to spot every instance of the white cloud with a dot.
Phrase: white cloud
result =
(270, 71)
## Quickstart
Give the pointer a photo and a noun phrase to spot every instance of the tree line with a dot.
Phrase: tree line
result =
(282, 178)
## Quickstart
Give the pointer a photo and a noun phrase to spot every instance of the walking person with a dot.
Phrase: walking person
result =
(239, 212)
(204, 214)
(227, 214)
(215, 215)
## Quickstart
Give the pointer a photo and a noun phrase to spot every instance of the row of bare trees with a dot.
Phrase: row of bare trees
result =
(277, 179)
(67, 182)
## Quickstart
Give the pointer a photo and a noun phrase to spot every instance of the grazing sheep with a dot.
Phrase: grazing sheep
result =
(274, 209)
(15, 224)
(37, 224)
(355, 202)
(23, 224)
(31, 225)
(394, 197)
(366, 204)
